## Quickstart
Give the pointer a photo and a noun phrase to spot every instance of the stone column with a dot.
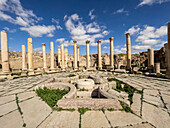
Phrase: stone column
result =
(24, 64)
(75, 54)
(166, 54)
(44, 57)
(150, 59)
(59, 57)
(78, 59)
(111, 53)
(157, 68)
(30, 57)
(4, 53)
(99, 55)
(87, 55)
(52, 55)
(62, 56)
(168, 69)
(128, 45)
(66, 56)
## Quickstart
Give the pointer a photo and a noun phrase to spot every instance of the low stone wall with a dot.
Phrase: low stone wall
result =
(93, 104)
(59, 85)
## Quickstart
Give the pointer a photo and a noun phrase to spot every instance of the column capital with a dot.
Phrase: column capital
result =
(111, 38)
(87, 41)
(3, 31)
(43, 44)
(98, 41)
(77, 46)
(168, 23)
(74, 41)
(29, 39)
(127, 34)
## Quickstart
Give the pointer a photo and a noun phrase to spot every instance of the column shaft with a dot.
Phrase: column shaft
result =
(30, 54)
(128, 45)
(44, 56)
(24, 64)
(111, 53)
(66, 56)
(75, 54)
(59, 56)
(4, 52)
(78, 59)
(52, 54)
(150, 59)
(168, 69)
(62, 56)
(99, 55)
(87, 55)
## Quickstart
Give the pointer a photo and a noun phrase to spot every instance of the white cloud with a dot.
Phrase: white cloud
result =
(38, 30)
(57, 22)
(121, 11)
(91, 14)
(23, 17)
(9, 30)
(148, 36)
(39, 50)
(150, 2)
(81, 31)
(133, 30)
(105, 47)
(118, 51)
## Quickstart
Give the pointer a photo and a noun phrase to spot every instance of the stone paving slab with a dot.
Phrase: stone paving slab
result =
(14, 91)
(6, 108)
(121, 118)
(11, 120)
(34, 111)
(136, 106)
(26, 95)
(6, 99)
(62, 119)
(155, 116)
(94, 119)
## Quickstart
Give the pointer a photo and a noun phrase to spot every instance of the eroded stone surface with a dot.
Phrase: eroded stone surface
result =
(155, 116)
(34, 111)
(136, 106)
(94, 119)
(11, 120)
(6, 108)
(26, 95)
(63, 119)
(121, 118)
(6, 99)
(145, 125)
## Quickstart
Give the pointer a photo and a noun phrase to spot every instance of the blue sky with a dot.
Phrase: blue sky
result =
(81, 20)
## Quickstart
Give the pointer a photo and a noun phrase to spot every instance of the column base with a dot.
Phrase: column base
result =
(45, 69)
(31, 72)
(99, 68)
(24, 73)
(5, 74)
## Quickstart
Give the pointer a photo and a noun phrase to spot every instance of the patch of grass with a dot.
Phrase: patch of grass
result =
(110, 109)
(82, 110)
(24, 125)
(51, 96)
(71, 75)
(125, 107)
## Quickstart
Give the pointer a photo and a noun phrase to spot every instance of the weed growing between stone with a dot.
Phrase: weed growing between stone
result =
(71, 75)
(82, 110)
(51, 96)
(126, 88)
(125, 107)
(61, 109)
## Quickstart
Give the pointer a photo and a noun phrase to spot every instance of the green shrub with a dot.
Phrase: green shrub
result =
(71, 75)
(51, 96)
(125, 107)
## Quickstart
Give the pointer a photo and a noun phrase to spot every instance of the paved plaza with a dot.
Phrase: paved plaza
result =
(19, 106)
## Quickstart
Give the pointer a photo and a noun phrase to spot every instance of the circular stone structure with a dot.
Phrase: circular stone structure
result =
(85, 84)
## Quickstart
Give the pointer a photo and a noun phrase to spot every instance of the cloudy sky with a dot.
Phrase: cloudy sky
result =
(81, 20)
